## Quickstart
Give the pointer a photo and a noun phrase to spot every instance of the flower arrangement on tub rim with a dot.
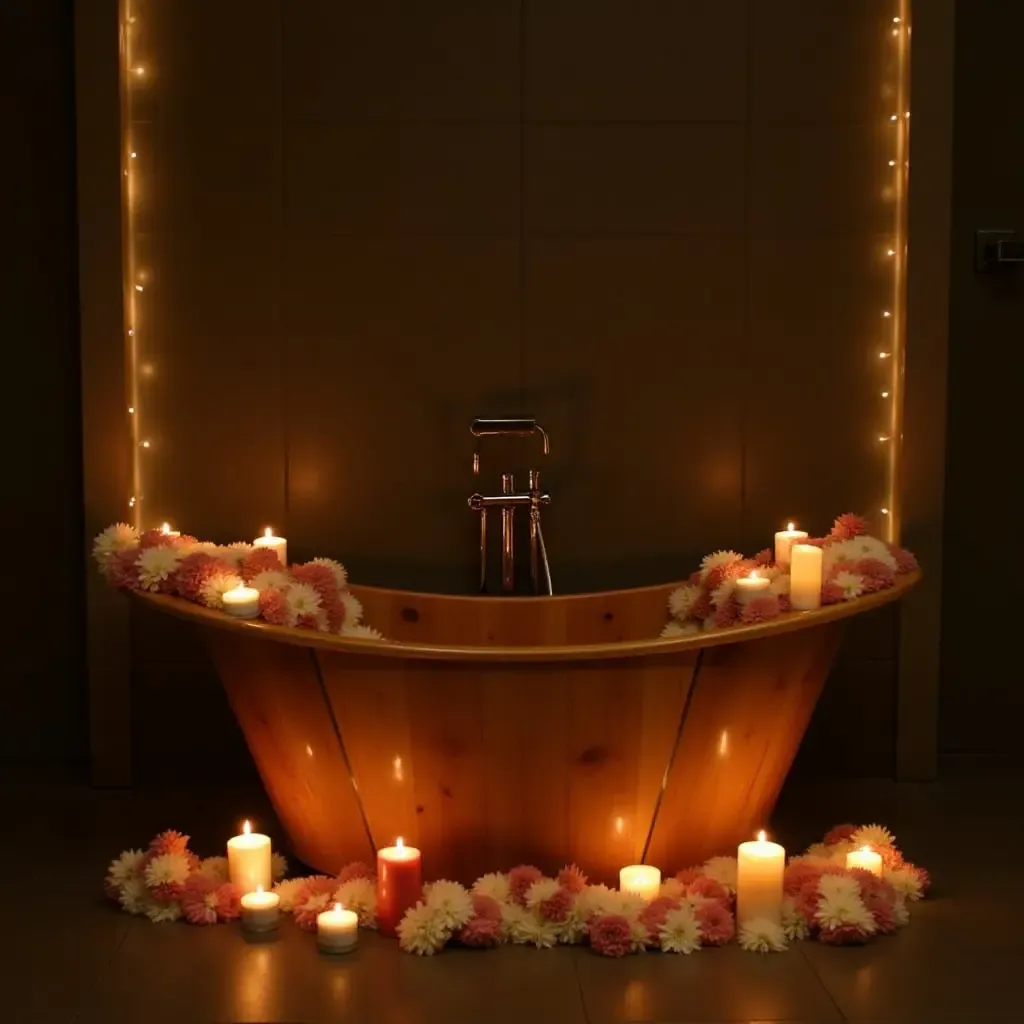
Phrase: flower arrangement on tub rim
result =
(853, 564)
(312, 595)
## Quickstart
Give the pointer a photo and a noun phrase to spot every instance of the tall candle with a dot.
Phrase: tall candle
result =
(759, 870)
(242, 602)
(748, 586)
(260, 910)
(865, 858)
(805, 577)
(640, 880)
(337, 930)
(784, 540)
(399, 884)
(274, 543)
(249, 860)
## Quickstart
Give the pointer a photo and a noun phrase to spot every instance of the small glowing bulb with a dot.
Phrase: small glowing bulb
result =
(131, 332)
(894, 117)
(884, 511)
(890, 252)
(139, 71)
(892, 163)
(895, 31)
(883, 437)
(145, 444)
(883, 355)
(126, 172)
(246, 827)
(896, 20)
(886, 314)
(134, 154)
(761, 836)
(139, 288)
(885, 394)
(906, 113)
(131, 502)
(131, 410)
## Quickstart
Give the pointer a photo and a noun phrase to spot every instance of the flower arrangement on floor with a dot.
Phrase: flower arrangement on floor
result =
(853, 564)
(313, 595)
(823, 900)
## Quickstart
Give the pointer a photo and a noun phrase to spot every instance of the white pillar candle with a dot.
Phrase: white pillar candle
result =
(168, 532)
(748, 586)
(274, 543)
(337, 930)
(242, 602)
(865, 858)
(260, 910)
(759, 870)
(640, 880)
(784, 540)
(805, 577)
(249, 860)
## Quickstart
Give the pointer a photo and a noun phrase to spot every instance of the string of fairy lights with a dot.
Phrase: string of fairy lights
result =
(891, 353)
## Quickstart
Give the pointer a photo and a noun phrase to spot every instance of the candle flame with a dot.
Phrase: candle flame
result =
(753, 575)
(399, 842)
(761, 836)
(246, 827)
(166, 528)
(865, 849)
(259, 888)
(337, 908)
(268, 532)
(790, 527)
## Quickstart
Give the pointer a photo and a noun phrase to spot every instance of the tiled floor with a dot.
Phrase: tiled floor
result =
(69, 959)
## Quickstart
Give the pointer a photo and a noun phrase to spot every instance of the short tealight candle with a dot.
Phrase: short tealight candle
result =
(337, 930)
(260, 911)
(243, 602)
(273, 543)
(640, 880)
(168, 532)
(865, 858)
(748, 586)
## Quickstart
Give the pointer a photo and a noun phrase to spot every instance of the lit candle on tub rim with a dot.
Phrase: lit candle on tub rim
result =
(337, 930)
(865, 858)
(805, 577)
(399, 884)
(784, 540)
(748, 586)
(640, 880)
(260, 910)
(168, 532)
(243, 602)
(759, 869)
(249, 860)
(272, 542)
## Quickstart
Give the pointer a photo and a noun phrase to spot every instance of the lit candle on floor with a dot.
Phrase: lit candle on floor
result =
(865, 858)
(260, 911)
(640, 880)
(249, 860)
(784, 540)
(805, 577)
(242, 602)
(748, 586)
(759, 870)
(274, 543)
(337, 930)
(399, 884)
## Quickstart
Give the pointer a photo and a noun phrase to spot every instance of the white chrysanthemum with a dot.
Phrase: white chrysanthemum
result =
(494, 885)
(202, 547)
(839, 886)
(533, 930)
(234, 554)
(302, 600)
(161, 913)
(905, 882)
(762, 936)
(278, 866)
(628, 904)
(156, 564)
(639, 935)
(288, 891)
(900, 910)
(672, 888)
(270, 578)
(794, 924)
(875, 836)
(772, 572)
(779, 585)
(811, 859)
(680, 932)
(421, 932)
(215, 869)
(360, 896)
(134, 896)
(512, 918)
(574, 928)
(167, 869)
(721, 594)
(597, 899)
(723, 870)
(850, 583)
(540, 891)
(360, 631)
(718, 560)
(818, 851)
(682, 600)
(353, 608)
(212, 591)
(452, 902)
(854, 550)
(337, 570)
(118, 537)
(840, 909)
(126, 867)
(677, 630)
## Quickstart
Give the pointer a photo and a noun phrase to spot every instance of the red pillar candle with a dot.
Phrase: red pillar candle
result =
(399, 884)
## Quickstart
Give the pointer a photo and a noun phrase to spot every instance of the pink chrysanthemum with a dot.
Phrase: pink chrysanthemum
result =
(842, 565)
(319, 577)
(610, 935)
(847, 526)
(727, 615)
(715, 578)
(816, 542)
(807, 900)
(784, 603)
(832, 593)
(480, 932)
(315, 896)
(122, 570)
(797, 875)
(572, 878)
(520, 879)
(764, 557)
(688, 875)
(877, 575)
(694, 579)
(837, 834)
(556, 907)
(169, 842)
(193, 571)
(742, 567)
(274, 606)
(924, 879)
(229, 901)
(883, 911)
(891, 858)
(761, 607)
(199, 900)
(259, 560)
(652, 917)
(155, 539)
(335, 610)
(709, 889)
(701, 607)
(717, 925)
(906, 561)
(486, 907)
(357, 869)
(844, 935)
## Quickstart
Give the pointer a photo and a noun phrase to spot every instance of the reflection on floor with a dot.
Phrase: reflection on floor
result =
(70, 959)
